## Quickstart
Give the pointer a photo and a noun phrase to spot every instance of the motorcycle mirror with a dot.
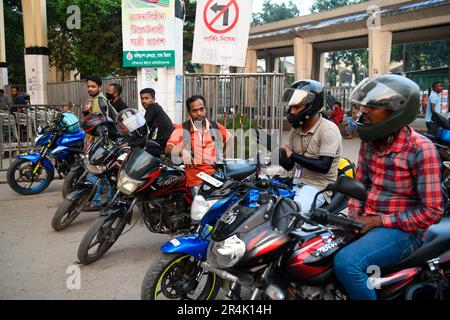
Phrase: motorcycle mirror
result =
(440, 120)
(349, 187)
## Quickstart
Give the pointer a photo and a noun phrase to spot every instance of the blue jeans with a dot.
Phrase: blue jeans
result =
(97, 200)
(380, 247)
(304, 196)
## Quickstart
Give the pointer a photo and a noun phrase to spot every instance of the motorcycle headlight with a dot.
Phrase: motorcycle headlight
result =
(226, 253)
(93, 169)
(127, 185)
(199, 208)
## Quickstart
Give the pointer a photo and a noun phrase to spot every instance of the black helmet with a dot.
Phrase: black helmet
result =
(392, 92)
(94, 124)
(306, 92)
(132, 127)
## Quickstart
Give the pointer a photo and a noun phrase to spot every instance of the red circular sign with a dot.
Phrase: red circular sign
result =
(209, 24)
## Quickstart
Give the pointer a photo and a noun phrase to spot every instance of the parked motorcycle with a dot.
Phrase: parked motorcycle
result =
(103, 160)
(34, 168)
(232, 181)
(274, 254)
(160, 192)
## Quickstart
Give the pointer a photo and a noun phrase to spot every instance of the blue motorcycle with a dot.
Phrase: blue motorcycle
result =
(31, 173)
(176, 273)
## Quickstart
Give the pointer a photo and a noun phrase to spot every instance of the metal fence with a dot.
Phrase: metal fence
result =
(18, 130)
(240, 100)
(76, 92)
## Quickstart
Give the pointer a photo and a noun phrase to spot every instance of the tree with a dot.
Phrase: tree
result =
(14, 41)
(272, 12)
(419, 56)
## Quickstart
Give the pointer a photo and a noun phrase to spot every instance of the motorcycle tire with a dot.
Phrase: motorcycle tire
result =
(102, 233)
(10, 177)
(67, 212)
(164, 265)
(72, 178)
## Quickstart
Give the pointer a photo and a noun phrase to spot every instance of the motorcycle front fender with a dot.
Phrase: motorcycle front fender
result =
(192, 244)
(34, 158)
(81, 190)
(116, 209)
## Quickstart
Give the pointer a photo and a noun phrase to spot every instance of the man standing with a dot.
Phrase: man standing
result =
(433, 105)
(401, 172)
(18, 100)
(198, 141)
(113, 94)
(157, 119)
(4, 100)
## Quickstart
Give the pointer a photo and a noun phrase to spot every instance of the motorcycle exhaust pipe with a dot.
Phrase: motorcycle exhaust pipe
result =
(221, 273)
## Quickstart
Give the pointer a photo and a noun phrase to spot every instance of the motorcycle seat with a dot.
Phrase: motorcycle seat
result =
(437, 242)
(337, 203)
(239, 171)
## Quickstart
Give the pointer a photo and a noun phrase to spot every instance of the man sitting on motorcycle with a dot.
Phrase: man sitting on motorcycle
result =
(198, 141)
(401, 172)
(315, 143)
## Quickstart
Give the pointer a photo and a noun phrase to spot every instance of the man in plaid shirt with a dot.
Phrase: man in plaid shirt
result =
(401, 171)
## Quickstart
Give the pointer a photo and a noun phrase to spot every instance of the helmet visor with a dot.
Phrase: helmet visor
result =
(131, 123)
(375, 94)
(293, 97)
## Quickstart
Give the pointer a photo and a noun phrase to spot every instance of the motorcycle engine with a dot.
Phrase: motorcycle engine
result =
(169, 215)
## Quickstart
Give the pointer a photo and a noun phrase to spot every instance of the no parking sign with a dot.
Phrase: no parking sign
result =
(221, 32)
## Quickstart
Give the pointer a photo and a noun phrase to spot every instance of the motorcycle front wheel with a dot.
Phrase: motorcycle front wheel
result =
(22, 180)
(179, 276)
(67, 212)
(70, 181)
(100, 237)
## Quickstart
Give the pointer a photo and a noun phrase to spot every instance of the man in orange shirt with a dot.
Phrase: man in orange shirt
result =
(198, 141)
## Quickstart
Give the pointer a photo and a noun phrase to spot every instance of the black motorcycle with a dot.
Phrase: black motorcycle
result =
(103, 160)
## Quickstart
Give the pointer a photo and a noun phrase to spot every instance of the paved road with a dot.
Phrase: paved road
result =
(34, 258)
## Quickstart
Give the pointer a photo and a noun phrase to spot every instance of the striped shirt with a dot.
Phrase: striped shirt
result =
(403, 183)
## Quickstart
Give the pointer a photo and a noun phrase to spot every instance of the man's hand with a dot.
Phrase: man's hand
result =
(369, 222)
(187, 159)
(288, 151)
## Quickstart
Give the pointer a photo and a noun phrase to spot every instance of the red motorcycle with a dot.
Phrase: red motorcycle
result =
(158, 189)
(278, 253)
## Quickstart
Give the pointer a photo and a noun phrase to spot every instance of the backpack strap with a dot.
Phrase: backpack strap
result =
(187, 136)
(217, 139)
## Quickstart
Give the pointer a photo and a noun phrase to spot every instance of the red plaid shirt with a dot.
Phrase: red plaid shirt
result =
(403, 183)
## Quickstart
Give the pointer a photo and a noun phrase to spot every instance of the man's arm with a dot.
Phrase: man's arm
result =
(426, 173)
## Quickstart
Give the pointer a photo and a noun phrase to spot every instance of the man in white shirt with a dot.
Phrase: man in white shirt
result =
(433, 105)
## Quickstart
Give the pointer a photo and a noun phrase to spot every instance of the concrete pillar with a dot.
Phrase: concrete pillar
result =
(36, 50)
(303, 56)
(3, 64)
(316, 65)
(251, 62)
(322, 68)
(380, 43)
(270, 63)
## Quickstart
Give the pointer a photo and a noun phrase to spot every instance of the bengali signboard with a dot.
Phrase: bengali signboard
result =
(148, 30)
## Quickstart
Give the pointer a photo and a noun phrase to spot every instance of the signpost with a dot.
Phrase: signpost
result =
(221, 32)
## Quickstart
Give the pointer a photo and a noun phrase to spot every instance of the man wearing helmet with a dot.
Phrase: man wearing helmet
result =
(401, 172)
(315, 143)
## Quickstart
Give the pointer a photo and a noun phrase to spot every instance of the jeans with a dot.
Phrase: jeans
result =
(380, 247)
(304, 196)
(97, 200)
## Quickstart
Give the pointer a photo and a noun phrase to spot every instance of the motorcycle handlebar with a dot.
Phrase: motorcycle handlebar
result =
(344, 222)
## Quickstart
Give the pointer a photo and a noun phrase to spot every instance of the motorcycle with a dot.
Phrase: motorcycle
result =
(216, 195)
(102, 160)
(157, 188)
(33, 167)
(176, 273)
(279, 252)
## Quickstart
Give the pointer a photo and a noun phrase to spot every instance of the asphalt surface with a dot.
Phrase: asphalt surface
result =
(34, 259)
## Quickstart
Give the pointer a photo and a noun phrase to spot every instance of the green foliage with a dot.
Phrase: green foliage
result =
(420, 56)
(14, 41)
(327, 5)
(272, 12)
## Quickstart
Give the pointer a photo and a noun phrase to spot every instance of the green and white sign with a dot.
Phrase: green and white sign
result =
(148, 30)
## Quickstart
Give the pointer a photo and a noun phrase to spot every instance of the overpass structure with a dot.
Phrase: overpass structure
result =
(376, 25)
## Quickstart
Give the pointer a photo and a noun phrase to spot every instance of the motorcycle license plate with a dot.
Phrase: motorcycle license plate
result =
(205, 177)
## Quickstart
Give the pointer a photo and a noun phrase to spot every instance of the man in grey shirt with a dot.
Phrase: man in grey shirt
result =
(4, 100)
(433, 105)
